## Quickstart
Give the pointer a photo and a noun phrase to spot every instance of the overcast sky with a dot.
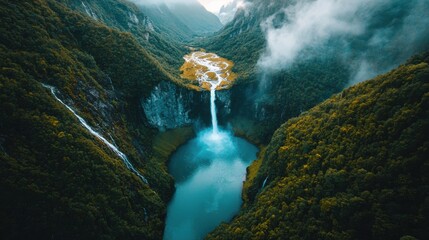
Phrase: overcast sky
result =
(213, 5)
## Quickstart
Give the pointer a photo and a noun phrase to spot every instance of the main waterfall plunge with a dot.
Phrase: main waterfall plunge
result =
(209, 171)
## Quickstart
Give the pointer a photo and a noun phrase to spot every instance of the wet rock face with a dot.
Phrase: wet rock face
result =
(97, 102)
(170, 106)
(264, 111)
(223, 103)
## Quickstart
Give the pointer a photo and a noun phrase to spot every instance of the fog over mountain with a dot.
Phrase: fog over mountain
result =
(180, 19)
(162, 1)
(358, 30)
(227, 12)
(211, 5)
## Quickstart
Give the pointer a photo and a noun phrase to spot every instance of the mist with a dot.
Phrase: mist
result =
(211, 5)
(147, 2)
(370, 36)
(227, 12)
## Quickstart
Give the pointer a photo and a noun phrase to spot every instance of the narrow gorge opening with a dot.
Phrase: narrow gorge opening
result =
(209, 170)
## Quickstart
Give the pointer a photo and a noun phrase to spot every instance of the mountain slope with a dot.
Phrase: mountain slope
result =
(353, 167)
(242, 39)
(126, 16)
(181, 21)
(168, 23)
(288, 55)
(57, 180)
(227, 11)
(258, 21)
(196, 17)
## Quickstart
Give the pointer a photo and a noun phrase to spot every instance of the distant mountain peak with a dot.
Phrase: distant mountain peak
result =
(228, 11)
(181, 20)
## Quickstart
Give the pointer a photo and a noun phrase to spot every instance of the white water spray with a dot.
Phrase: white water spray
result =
(97, 135)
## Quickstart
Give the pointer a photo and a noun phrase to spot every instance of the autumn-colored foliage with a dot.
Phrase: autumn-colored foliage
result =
(193, 71)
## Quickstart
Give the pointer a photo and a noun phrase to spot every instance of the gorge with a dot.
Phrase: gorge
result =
(135, 119)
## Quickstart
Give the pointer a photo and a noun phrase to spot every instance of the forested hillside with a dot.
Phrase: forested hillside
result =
(57, 180)
(353, 167)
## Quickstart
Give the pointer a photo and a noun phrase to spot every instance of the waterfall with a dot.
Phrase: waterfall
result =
(265, 181)
(213, 108)
(98, 135)
(213, 74)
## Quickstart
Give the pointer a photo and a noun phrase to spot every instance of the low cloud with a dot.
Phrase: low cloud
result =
(227, 12)
(364, 32)
(244, 6)
(148, 2)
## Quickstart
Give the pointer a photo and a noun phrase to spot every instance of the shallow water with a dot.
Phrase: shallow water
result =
(209, 172)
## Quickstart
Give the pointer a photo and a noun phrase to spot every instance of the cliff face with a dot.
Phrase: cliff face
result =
(170, 106)
(353, 167)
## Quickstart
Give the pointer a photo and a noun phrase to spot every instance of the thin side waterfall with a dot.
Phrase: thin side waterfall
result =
(97, 135)
(265, 181)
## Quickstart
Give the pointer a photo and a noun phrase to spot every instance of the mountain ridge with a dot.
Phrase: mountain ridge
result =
(182, 21)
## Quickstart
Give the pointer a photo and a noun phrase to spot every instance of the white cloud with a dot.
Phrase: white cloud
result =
(227, 12)
(214, 5)
(143, 2)
(371, 37)
(311, 23)
(157, 2)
